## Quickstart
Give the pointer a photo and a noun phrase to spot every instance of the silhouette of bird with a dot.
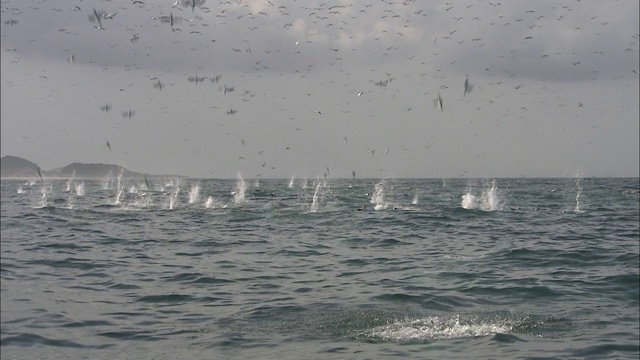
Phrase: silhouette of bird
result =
(109, 145)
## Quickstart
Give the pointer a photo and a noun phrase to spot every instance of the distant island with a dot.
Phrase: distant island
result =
(13, 167)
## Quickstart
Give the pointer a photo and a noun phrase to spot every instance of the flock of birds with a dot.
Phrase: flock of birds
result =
(312, 41)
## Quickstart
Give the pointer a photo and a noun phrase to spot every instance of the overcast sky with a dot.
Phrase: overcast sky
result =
(306, 86)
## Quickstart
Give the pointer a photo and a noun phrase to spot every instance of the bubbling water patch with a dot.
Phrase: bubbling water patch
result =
(436, 328)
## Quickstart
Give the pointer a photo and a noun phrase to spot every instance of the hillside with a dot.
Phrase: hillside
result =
(16, 167)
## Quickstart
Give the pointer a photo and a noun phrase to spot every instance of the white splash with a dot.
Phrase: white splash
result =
(68, 189)
(256, 184)
(133, 189)
(304, 183)
(209, 202)
(578, 193)
(415, 199)
(80, 189)
(173, 196)
(378, 197)
(291, 182)
(194, 194)
(43, 200)
(20, 190)
(489, 200)
(469, 201)
(315, 203)
(106, 181)
(437, 328)
(119, 189)
(241, 187)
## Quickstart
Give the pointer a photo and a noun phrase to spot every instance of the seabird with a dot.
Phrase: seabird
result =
(109, 145)
(438, 103)
(467, 86)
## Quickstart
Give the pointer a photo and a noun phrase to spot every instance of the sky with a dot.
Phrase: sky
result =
(286, 88)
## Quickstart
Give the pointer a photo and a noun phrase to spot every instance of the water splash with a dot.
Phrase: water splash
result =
(119, 189)
(315, 203)
(241, 188)
(20, 190)
(133, 189)
(107, 181)
(437, 328)
(578, 193)
(80, 189)
(173, 195)
(210, 203)
(45, 190)
(489, 200)
(415, 199)
(68, 189)
(378, 196)
(194, 194)
(291, 182)
(469, 201)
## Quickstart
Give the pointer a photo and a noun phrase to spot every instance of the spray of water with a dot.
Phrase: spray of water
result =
(173, 195)
(315, 203)
(415, 199)
(80, 189)
(241, 187)
(489, 200)
(194, 194)
(291, 181)
(578, 193)
(377, 199)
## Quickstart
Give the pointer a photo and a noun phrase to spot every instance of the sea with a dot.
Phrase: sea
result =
(320, 268)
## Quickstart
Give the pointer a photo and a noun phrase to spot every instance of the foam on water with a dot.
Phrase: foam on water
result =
(437, 328)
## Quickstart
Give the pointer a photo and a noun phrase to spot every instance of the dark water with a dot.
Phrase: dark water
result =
(370, 269)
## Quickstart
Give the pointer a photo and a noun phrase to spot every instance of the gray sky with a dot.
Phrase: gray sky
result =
(555, 87)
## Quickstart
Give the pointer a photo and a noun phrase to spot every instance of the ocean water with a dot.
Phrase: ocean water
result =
(320, 269)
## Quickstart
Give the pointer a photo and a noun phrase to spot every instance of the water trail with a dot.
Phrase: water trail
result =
(194, 194)
(241, 187)
(80, 189)
(291, 182)
(378, 196)
(315, 204)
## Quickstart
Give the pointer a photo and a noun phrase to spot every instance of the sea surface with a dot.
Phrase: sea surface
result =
(320, 268)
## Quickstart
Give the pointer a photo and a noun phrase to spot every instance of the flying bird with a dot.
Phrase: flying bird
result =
(128, 114)
(438, 103)
(105, 108)
(40, 174)
(467, 86)
(97, 16)
(109, 145)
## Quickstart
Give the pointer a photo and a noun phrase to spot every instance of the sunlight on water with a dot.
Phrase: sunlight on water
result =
(194, 194)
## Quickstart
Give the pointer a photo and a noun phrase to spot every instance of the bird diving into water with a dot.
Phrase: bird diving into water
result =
(109, 145)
